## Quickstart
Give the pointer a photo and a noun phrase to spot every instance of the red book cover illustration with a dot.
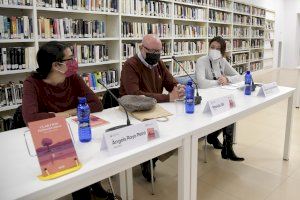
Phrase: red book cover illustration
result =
(53, 145)
(94, 121)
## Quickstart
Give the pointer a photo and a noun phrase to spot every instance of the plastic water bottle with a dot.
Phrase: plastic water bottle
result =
(248, 83)
(83, 114)
(189, 97)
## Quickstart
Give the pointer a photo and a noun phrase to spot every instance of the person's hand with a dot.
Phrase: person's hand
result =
(177, 92)
(181, 90)
(223, 80)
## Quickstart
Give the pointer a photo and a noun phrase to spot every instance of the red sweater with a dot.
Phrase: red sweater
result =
(40, 98)
(137, 79)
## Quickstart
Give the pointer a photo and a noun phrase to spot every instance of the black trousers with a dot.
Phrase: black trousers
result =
(227, 133)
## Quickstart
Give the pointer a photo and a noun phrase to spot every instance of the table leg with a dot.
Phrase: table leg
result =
(288, 127)
(194, 167)
(122, 185)
(129, 183)
(184, 169)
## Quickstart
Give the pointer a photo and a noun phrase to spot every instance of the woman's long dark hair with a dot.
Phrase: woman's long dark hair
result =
(47, 54)
(222, 42)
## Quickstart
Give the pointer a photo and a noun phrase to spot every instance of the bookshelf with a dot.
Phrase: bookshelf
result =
(261, 20)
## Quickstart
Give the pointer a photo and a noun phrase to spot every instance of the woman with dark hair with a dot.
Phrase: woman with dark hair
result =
(214, 70)
(53, 90)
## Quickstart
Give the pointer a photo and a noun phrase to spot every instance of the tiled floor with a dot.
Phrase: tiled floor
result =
(263, 175)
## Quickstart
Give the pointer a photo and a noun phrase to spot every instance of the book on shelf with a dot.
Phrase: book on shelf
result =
(91, 53)
(219, 16)
(242, 8)
(223, 4)
(189, 66)
(182, 30)
(11, 94)
(256, 66)
(17, 58)
(241, 44)
(269, 25)
(195, 2)
(241, 19)
(258, 21)
(269, 35)
(185, 12)
(241, 32)
(16, 2)
(241, 69)
(240, 58)
(257, 43)
(109, 78)
(257, 33)
(189, 47)
(258, 12)
(6, 123)
(139, 29)
(82, 5)
(223, 31)
(228, 45)
(54, 28)
(256, 55)
(130, 49)
(12, 27)
(268, 44)
(146, 7)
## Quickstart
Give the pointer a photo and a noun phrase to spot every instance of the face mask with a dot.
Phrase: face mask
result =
(152, 58)
(72, 67)
(214, 54)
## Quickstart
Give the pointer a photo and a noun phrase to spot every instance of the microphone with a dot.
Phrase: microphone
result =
(198, 98)
(128, 121)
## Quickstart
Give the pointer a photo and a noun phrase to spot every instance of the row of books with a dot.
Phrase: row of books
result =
(219, 16)
(269, 35)
(241, 32)
(16, 2)
(238, 7)
(223, 31)
(109, 78)
(257, 43)
(241, 19)
(91, 53)
(130, 49)
(189, 47)
(70, 28)
(17, 58)
(196, 2)
(257, 33)
(189, 66)
(139, 29)
(258, 21)
(228, 45)
(258, 12)
(268, 44)
(269, 25)
(12, 27)
(146, 7)
(241, 69)
(87, 5)
(189, 31)
(224, 4)
(241, 44)
(11, 94)
(6, 123)
(256, 55)
(184, 12)
(256, 66)
(240, 58)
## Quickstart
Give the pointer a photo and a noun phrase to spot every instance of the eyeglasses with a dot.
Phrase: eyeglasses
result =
(152, 50)
(67, 59)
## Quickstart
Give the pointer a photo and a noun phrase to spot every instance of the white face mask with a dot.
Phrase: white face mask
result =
(214, 54)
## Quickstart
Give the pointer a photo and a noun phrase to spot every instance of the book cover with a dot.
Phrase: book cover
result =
(53, 144)
(94, 121)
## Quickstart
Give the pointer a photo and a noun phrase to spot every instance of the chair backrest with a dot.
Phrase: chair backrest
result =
(108, 101)
(18, 121)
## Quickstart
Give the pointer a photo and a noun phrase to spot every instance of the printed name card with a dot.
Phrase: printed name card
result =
(219, 105)
(127, 138)
(268, 89)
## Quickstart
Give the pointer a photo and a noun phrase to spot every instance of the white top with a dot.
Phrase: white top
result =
(204, 73)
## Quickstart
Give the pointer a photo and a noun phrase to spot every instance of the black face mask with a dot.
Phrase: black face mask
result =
(152, 58)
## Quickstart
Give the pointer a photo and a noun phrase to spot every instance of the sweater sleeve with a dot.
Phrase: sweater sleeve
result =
(202, 80)
(130, 81)
(30, 111)
(169, 81)
(232, 75)
(92, 99)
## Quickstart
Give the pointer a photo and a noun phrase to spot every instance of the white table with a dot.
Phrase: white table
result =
(19, 171)
(203, 124)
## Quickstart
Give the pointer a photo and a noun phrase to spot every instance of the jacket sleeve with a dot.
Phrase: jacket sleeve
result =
(30, 111)
(202, 80)
(232, 75)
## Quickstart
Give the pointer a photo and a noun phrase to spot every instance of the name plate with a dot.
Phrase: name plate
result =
(129, 137)
(268, 89)
(219, 105)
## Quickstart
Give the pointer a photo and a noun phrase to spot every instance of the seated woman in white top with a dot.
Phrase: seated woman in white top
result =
(214, 70)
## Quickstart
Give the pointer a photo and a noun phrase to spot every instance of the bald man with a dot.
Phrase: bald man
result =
(145, 74)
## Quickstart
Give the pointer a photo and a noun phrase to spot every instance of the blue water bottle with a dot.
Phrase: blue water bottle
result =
(248, 83)
(189, 97)
(83, 114)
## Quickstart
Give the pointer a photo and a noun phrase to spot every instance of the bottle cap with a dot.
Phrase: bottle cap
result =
(82, 99)
(190, 82)
(248, 72)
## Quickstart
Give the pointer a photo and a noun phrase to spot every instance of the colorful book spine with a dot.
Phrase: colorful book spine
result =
(15, 27)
